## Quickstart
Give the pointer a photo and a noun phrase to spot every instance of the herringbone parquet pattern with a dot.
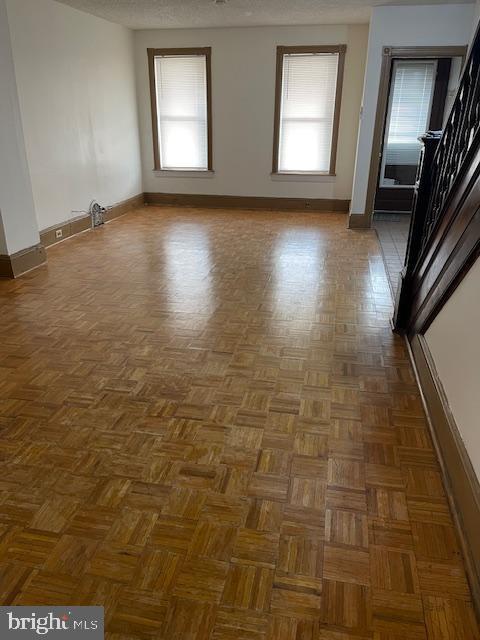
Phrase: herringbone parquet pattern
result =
(208, 427)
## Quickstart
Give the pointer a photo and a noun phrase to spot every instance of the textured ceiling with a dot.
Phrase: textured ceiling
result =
(171, 14)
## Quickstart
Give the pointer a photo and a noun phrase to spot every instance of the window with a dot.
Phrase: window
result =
(180, 82)
(307, 108)
(408, 116)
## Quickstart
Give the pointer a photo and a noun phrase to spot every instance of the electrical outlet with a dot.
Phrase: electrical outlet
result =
(58, 233)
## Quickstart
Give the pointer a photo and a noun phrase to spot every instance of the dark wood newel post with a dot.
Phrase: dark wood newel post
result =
(421, 198)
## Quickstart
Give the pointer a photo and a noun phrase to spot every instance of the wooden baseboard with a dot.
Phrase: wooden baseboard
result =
(359, 221)
(247, 202)
(463, 488)
(22, 261)
(124, 207)
(70, 228)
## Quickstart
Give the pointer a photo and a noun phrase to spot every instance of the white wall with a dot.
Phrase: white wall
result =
(455, 347)
(18, 228)
(243, 95)
(76, 85)
(476, 18)
(407, 26)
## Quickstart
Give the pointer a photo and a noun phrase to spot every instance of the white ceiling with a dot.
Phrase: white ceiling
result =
(174, 14)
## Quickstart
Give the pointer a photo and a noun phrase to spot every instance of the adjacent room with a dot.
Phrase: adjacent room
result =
(240, 300)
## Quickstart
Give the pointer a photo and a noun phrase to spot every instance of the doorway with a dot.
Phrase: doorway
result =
(416, 103)
(417, 88)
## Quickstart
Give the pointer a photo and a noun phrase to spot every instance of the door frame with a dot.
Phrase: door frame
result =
(388, 55)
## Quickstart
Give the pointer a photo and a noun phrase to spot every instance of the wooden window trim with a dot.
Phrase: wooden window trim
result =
(187, 51)
(281, 51)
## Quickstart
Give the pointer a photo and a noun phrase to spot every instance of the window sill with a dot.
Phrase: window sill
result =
(178, 173)
(302, 177)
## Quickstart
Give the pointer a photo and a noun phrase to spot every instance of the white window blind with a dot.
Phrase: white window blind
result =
(309, 83)
(181, 86)
(411, 99)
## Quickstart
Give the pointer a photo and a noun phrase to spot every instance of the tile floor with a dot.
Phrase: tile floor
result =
(392, 231)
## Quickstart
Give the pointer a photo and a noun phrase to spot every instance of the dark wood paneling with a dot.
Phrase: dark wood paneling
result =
(452, 249)
(391, 199)
(421, 197)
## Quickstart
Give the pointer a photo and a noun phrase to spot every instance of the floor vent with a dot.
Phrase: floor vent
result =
(97, 214)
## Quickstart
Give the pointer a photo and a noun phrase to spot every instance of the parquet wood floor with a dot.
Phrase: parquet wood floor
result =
(207, 426)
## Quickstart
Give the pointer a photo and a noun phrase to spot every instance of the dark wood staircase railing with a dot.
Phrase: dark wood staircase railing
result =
(444, 243)
(445, 230)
